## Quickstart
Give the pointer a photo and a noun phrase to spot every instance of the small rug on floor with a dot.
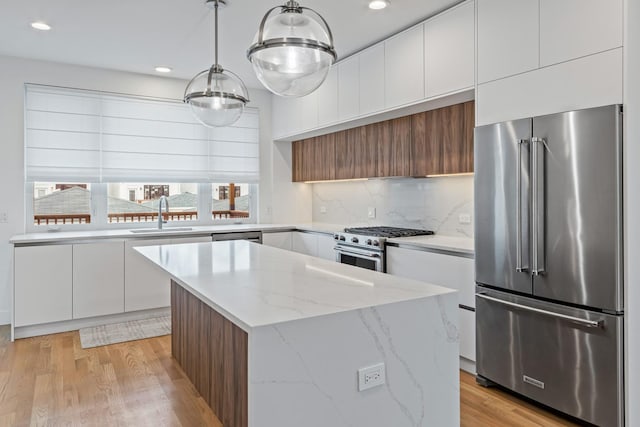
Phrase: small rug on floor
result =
(126, 331)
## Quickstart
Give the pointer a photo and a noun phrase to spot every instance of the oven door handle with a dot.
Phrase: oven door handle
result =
(356, 252)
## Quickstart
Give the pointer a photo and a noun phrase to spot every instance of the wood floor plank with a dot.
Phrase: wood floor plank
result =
(52, 381)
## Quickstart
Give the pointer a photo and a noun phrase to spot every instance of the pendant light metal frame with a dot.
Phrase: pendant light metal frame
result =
(216, 68)
(292, 6)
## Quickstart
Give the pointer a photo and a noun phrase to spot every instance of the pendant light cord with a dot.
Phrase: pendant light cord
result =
(216, 33)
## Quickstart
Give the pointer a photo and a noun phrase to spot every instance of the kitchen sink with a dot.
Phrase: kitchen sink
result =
(157, 230)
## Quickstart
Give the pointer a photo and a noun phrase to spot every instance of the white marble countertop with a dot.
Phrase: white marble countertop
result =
(255, 285)
(124, 233)
(464, 245)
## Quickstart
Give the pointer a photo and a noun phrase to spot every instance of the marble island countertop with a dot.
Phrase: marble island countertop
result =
(254, 285)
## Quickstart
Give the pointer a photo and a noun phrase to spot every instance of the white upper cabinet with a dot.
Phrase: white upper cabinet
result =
(307, 110)
(328, 98)
(372, 79)
(282, 110)
(573, 28)
(508, 37)
(449, 51)
(404, 67)
(348, 88)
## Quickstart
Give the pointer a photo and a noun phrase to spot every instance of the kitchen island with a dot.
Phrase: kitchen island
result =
(274, 338)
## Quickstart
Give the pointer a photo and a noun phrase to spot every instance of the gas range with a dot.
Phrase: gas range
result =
(375, 237)
(364, 246)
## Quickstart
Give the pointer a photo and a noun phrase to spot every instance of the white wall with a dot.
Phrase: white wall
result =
(632, 207)
(15, 72)
(430, 203)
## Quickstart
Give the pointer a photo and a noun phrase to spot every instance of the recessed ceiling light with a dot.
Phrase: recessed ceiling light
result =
(378, 4)
(40, 26)
(163, 69)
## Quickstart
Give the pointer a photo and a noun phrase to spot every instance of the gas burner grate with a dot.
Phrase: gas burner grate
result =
(388, 231)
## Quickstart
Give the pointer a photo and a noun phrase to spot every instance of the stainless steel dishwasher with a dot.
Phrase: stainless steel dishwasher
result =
(252, 236)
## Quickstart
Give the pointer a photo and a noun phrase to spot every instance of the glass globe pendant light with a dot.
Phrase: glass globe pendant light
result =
(292, 51)
(216, 96)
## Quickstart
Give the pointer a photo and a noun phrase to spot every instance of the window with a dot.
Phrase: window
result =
(61, 203)
(231, 201)
(138, 202)
(95, 160)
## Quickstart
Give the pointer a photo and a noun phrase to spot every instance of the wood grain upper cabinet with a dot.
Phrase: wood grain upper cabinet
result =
(442, 141)
(314, 159)
(393, 139)
(355, 155)
(508, 37)
(404, 67)
(449, 51)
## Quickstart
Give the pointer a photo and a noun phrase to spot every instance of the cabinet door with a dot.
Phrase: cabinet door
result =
(42, 284)
(404, 67)
(426, 150)
(98, 279)
(467, 329)
(449, 51)
(145, 286)
(314, 159)
(328, 99)
(455, 125)
(348, 88)
(570, 29)
(307, 109)
(508, 34)
(282, 116)
(445, 270)
(326, 244)
(355, 154)
(277, 240)
(372, 79)
(394, 147)
(305, 243)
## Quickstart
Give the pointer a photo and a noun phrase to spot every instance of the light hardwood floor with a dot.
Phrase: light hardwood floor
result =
(52, 381)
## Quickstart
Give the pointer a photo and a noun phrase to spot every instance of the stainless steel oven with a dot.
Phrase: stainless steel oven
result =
(358, 257)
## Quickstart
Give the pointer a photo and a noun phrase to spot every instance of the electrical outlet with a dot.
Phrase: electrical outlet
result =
(323, 209)
(371, 376)
(464, 219)
(371, 212)
(4, 217)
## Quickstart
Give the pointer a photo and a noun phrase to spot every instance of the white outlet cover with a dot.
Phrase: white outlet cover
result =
(371, 376)
(464, 219)
(323, 209)
(371, 212)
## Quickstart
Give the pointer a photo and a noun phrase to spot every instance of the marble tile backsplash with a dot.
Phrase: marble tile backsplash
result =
(431, 203)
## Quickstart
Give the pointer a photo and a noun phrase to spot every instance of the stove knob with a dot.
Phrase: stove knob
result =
(354, 239)
(336, 237)
(342, 238)
(376, 243)
(368, 241)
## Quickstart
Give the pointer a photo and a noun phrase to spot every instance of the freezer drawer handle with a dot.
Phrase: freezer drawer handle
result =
(584, 322)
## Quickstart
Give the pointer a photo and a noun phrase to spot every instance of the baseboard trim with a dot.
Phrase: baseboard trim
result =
(73, 325)
(5, 317)
(468, 365)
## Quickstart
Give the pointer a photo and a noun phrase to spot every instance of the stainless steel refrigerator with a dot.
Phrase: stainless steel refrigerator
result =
(549, 254)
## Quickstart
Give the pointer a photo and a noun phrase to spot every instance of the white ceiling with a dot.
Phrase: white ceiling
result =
(137, 35)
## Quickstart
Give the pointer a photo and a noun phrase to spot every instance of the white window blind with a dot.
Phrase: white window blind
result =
(85, 136)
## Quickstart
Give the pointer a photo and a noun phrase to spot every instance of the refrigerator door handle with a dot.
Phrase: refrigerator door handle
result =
(578, 320)
(519, 265)
(537, 205)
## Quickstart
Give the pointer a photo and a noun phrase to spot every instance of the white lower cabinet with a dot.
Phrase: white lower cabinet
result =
(145, 286)
(42, 284)
(98, 279)
(326, 244)
(305, 243)
(280, 240)
(450, 271)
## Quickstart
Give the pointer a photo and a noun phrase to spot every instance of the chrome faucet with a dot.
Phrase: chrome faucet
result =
(166, 205)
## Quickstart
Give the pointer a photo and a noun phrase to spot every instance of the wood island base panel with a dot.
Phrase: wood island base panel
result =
(212, 352)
